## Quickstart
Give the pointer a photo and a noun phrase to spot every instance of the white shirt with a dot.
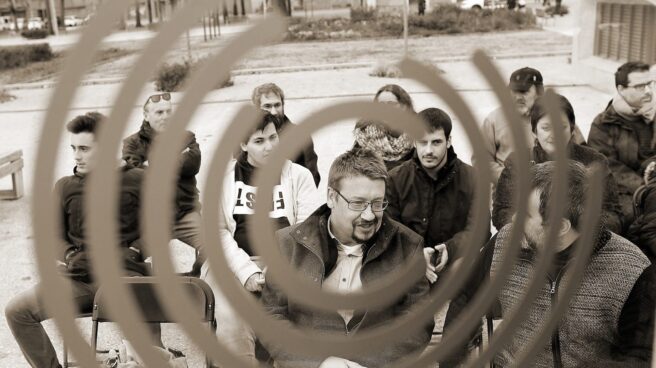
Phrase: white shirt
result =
(345, 277)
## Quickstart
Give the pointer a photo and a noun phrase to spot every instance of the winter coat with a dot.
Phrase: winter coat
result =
(611, 135)
(502, 208)
(73, 251)
(642, 231)
(136, 150)
(307, 158)
(439, 210)
(296, 183)
(311, 251)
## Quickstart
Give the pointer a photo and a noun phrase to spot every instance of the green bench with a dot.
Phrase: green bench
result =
(11, 163)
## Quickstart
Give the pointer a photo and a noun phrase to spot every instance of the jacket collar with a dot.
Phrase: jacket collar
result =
(610, 116)
(313, 235)
(146, 131)
(540, 155)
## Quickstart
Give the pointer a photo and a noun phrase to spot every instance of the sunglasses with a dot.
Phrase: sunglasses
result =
(158, 97)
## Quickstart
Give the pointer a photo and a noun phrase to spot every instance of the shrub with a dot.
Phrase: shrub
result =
(171, 77)
(551, 10)
(5, 96)
(16, 56)
(35, 33)
(362, 14)
(391, 69)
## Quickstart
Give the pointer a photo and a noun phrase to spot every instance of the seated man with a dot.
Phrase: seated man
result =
(609, 321)
(544, 150)
(333, 245)
(294, 199)
(26, 311)
(136, 152)
(624, 131)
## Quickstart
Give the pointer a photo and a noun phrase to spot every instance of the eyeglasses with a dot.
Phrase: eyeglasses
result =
(643, 86)
(166, 96)
(376, 206)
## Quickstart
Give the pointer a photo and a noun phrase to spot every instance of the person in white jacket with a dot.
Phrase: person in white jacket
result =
(294, 199)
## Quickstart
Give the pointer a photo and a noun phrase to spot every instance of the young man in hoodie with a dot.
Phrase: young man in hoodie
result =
(136, 150)
(270, 98)
(294, 199)
(624, 131)
(26, 311)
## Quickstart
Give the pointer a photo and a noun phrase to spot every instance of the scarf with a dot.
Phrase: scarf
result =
(379, 139)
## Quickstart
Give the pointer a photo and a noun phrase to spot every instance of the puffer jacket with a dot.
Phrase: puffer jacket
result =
(73, 251)
(311, 251)
(440, 210)
(136, 150)
(502, 208)
(611, 135)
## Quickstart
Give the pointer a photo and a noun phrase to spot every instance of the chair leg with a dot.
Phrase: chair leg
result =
(65, 355)
(94, 335)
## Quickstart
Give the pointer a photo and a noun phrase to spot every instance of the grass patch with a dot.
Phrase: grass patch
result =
(172, 77)
(391, 70)
(44, 70)
(444, 19)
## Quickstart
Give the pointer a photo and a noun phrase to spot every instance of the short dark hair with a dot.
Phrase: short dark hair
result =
(539, 110)
(622, 73)
(437, 119)
(264, 120)
(356, 162)
(265, 89)
(542, 179)
(401, 95)
(87, 123)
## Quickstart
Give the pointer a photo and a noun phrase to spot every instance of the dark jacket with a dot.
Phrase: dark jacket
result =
(136, 150)
(307, 158)
(439, 210)
(73, 252)
(312, 252)
(642, 231)
(611, 135)
(502, 209)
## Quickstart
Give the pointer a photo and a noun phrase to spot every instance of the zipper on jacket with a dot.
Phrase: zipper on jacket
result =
(555, 338)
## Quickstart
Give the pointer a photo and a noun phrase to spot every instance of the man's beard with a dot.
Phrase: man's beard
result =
(374, 226)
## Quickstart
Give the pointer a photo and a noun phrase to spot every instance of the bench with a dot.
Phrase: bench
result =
(12, 163)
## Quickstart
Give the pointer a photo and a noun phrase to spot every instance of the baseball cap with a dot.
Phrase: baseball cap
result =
(522, 79)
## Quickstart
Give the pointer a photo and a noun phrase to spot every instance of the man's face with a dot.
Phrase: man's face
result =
(84, 151)
(432, 149)
(356, 226)
(545, 133)
(272, 103)
(157, 114)
(260, 144)
(524, 100)
(534, 228)
(639, 90)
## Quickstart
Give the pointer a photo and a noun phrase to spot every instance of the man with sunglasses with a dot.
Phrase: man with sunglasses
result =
(270, 98)
(136, 150)
(624, 131)
(345, 246)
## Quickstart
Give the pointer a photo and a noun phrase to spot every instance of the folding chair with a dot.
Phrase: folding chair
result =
(143, 290)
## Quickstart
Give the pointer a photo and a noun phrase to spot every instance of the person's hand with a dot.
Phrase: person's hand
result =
(255, 282)
(648, 170)
(444, 257)
(431, 275)
(336, 362)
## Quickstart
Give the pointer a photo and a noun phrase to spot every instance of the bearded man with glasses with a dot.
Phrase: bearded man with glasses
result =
(136, 149)
(346, 246)
(624, 132)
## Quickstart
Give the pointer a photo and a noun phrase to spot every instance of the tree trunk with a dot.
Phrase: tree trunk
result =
(138, 13)
(150, 12)
(63, 12)
(243, 8)
(13, 14)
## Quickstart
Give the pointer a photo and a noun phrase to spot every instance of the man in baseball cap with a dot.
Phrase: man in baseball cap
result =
(526, 85)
